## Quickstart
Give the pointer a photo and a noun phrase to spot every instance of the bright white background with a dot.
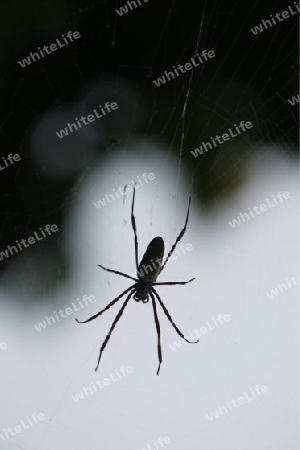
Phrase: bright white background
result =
(234, 268)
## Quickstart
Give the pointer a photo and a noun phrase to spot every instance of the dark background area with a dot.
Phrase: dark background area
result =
(138, 47)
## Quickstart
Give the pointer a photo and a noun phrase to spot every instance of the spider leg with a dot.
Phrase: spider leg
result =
(134, 230)
(117, 272)
(173, 282)
(179, 236)
(171, 320)
(106, 307)
(117, 318)
(158, 332)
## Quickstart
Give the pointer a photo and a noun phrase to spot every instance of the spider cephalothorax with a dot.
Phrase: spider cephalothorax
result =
(148, 270)
(142, 291)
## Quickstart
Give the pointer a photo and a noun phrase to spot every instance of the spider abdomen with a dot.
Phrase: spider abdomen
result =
(149, 267)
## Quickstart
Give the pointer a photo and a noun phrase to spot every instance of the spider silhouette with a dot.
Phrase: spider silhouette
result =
(147, 273)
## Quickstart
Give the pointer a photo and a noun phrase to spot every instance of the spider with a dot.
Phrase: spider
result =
(143, 288)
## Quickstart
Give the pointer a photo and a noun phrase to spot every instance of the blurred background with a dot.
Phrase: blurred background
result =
(60, 181)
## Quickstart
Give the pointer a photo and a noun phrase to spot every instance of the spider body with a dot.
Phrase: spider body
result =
(148, 270)
(150, 265)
